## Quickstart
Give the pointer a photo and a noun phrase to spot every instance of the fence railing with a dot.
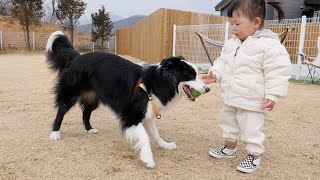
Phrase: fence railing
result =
(15, 41)
(302, 39)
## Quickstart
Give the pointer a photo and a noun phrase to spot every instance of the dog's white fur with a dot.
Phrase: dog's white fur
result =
(137, 136)
(51, 39)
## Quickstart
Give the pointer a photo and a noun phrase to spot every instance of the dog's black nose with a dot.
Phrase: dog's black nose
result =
(207, 89)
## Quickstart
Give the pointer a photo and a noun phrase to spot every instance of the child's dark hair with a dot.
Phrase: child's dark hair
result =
(254, 8)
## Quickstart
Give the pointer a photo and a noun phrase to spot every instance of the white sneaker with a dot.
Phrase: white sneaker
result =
(223, 152)
(249, 164)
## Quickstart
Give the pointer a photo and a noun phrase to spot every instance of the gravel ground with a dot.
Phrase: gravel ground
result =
(26, 152)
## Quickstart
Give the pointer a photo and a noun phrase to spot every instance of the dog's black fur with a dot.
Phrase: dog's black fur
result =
(97, 77)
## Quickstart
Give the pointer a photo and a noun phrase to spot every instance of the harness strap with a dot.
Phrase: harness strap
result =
(136, 86)
(153, 104)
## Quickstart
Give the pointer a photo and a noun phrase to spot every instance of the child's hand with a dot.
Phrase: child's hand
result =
(209, 78)
(267, 103)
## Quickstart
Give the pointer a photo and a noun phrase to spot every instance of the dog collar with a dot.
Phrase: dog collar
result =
(153, 104)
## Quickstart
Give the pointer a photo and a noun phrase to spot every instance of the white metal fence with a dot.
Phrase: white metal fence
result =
(302, 39)
(188, 43)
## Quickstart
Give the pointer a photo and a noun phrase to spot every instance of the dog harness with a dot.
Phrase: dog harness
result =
(153, 104)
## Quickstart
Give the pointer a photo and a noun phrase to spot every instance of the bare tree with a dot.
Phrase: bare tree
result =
(29, 14)
(50, 11)
(53, 3)
(69, 12)
(5, 7)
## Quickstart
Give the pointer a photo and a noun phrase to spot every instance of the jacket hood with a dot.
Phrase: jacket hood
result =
(267, 33)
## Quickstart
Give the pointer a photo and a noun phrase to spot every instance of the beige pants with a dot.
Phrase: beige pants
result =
(242, 124)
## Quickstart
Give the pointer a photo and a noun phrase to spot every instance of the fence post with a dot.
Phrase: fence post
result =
(33, 42)
(92, 47)
(174, 40)
(1, 42)
(226, 32)
(115, 44)
(301, 45)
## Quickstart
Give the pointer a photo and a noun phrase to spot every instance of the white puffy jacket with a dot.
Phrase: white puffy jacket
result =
(252, 70)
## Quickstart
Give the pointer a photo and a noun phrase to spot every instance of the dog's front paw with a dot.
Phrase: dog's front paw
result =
(93, 131)
(169, 146)
(146, 157)
(151, 165)
(55, 135)
(148, 161)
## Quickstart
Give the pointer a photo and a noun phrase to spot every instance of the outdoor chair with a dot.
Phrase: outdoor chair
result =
(313, 65)
(283, 36)
(211, 42)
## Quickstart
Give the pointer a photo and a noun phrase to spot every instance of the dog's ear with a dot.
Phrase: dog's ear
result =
(171, 62)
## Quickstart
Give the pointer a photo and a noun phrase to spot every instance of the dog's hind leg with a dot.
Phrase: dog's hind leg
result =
(152, 130)
(89, 103)
(139, 137)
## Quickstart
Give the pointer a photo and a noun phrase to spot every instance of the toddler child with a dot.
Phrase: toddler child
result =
(253, 71)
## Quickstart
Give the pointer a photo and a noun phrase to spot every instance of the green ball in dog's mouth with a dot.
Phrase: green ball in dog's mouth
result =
(195, 93)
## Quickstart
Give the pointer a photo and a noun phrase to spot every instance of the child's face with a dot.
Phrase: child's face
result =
(242, 26)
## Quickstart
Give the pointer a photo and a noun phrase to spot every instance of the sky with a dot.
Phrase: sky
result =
(127, 8)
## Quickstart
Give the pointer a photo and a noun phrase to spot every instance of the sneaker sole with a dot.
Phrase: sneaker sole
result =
(219, 156)
(246, 170)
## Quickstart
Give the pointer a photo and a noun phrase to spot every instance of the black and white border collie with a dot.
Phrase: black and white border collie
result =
(97, 77)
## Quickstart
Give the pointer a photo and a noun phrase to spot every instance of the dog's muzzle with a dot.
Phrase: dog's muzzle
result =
(206, 88)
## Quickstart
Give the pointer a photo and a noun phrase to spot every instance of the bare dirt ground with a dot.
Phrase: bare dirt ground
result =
(26, 152)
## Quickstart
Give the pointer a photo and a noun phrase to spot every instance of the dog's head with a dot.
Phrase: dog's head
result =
(185, 75)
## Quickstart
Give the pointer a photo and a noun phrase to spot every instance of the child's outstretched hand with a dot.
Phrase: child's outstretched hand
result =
(267, 103)
(209, 78)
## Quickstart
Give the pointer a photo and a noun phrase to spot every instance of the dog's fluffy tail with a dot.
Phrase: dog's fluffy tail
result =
(59, 51)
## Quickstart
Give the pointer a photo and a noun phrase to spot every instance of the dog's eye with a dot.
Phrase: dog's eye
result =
(190, 76)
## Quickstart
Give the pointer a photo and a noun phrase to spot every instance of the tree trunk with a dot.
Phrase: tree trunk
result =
(27, 26)
(53, 8)
(28, 39)
(53, 11)
(102, 43)
(26, 35)
(71, 36)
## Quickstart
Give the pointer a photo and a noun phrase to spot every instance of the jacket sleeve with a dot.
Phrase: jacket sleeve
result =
(277, 71)
(218, 65)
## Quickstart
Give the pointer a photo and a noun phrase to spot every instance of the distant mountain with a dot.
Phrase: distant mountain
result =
(127, 22)
(86, 28)
(85, 19)
(124, 23)
(115, 17)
